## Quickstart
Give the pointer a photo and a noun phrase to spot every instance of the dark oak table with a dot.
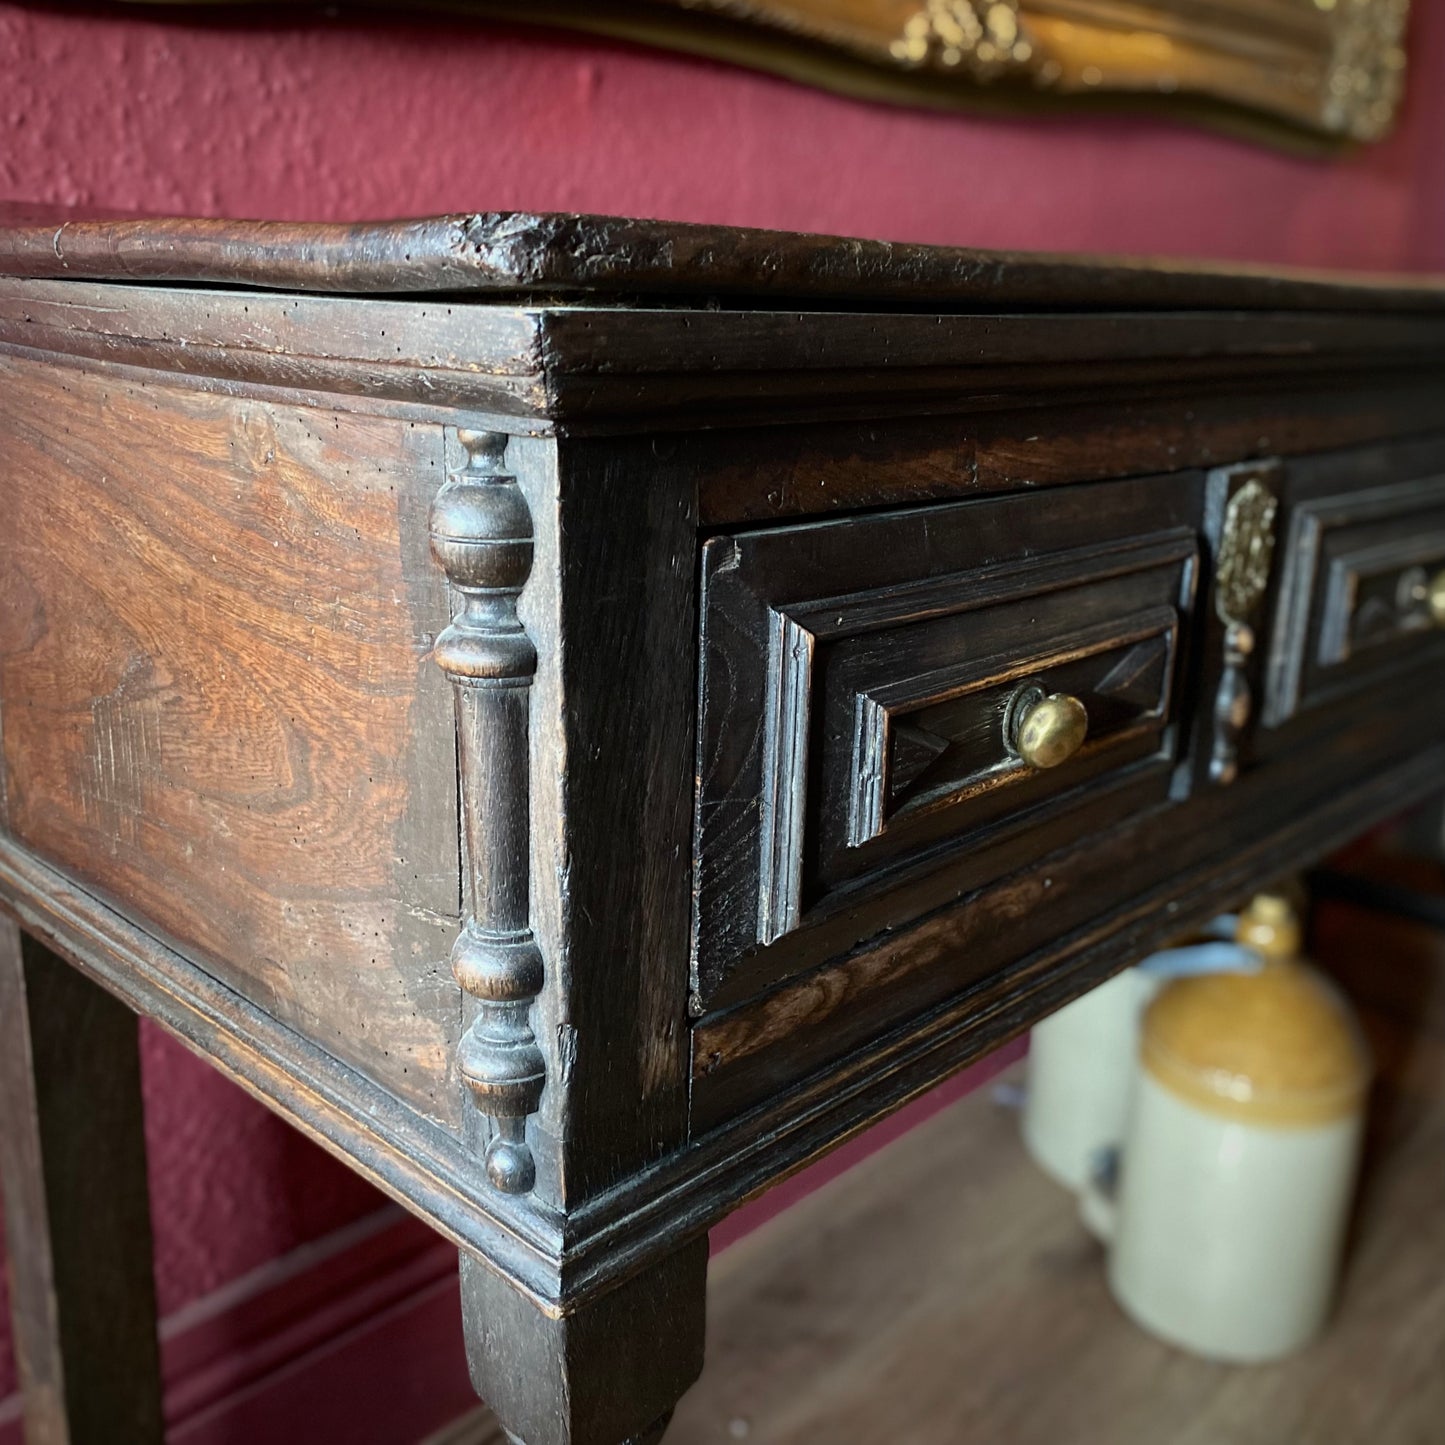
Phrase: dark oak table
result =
(582, 715)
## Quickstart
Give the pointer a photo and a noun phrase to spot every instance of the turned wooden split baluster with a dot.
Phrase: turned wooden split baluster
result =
(1233, 703)
(481, 534)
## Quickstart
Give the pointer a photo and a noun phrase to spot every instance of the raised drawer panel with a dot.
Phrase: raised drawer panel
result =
(1360, 598)
(865, 686)
(216, 704)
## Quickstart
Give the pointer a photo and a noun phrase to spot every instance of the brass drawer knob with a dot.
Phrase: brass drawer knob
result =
(1435, 596)
(1051, 729)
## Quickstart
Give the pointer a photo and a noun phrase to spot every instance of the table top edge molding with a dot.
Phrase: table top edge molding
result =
(501, 253)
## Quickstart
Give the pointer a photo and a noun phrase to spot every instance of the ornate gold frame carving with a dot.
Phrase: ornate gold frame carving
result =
(1335, 66)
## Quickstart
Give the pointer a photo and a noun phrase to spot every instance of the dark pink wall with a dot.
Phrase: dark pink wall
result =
(231, 1185)
(346, 118)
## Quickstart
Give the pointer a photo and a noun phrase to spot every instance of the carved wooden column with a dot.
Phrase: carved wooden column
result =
(607, 1367)
(481, 534)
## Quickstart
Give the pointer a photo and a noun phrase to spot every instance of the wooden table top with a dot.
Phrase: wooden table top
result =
(503, 253)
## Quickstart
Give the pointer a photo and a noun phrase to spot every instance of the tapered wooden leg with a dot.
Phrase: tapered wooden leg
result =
(651, 1436)
(607, 1374)
(77, 1214)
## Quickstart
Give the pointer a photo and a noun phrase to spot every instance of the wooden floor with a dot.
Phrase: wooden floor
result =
(943, 1292)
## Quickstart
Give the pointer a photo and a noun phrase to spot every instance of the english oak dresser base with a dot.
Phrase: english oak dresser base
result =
(581, 716)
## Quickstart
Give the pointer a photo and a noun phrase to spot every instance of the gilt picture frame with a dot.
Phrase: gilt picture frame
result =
(1330, 69)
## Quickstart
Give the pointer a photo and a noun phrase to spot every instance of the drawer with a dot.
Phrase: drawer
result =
(1362, 588)
(926, 699)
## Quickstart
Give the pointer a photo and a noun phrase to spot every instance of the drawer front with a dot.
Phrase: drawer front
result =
(938, 694)
(1362, 590)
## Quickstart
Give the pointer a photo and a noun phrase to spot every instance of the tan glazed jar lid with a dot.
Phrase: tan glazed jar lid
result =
(1277, 1047)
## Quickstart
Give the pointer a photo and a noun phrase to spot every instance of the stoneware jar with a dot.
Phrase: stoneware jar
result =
(1080, 1072)
(1240, 1154)
(1082, 1059)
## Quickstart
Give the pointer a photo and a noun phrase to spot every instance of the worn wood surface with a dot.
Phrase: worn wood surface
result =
(977, 951)
(77, 1207)
(780, 473)
(217, 705)
(609, 1373)
(804, 1105)
(833, 989)
(503, 252)
(625, 733)
(365, 352)
(419, 1164)
(600, 366)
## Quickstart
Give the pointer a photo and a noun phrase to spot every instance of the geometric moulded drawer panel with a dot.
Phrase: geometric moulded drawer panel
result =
(1362, 594)
(874, 693)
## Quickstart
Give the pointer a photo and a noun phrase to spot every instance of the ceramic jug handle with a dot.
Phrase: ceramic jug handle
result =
(1099, 1198)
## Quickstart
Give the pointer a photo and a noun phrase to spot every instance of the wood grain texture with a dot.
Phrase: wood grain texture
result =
(77, 1210)
(604, 367)
(230, 767)
(421, 1165)
(779, 473)
(218, 709)
(378, 351)
(842, 981)
(798, 1113)
(506, 252)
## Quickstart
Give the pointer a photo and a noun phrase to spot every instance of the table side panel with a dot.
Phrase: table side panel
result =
(216, 700)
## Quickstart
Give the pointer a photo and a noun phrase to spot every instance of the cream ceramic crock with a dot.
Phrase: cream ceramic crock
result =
(1080, 1073)
(1082, 1060)
(1240, 1153)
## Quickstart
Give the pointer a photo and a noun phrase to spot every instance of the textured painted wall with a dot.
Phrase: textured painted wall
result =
(344, 118)
(231, 1185)
(294, 114)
